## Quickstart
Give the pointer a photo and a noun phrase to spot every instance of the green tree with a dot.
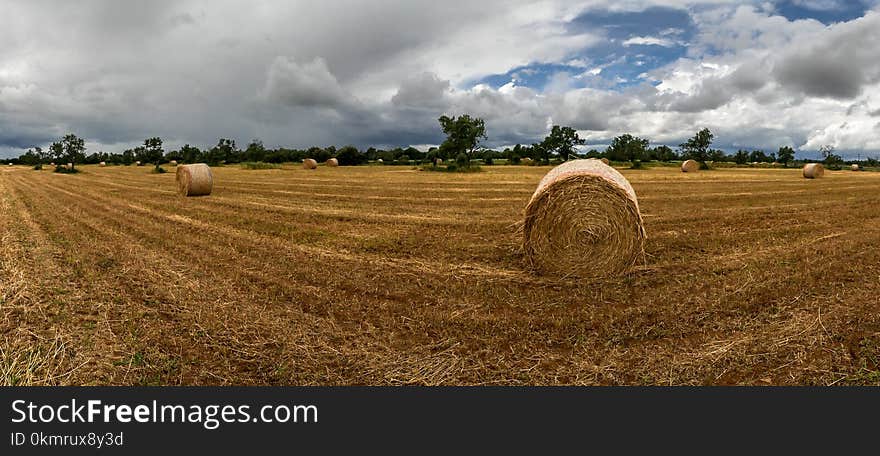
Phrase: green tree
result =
(153, 151)
(540, 152)
(697, 148)
(562, 140)
(627, 147)
(350, 156)
(663, 153)
(741, 157)
(255, 151)
(463, 135)
(829, 157)
(74, 149)
(785, 155)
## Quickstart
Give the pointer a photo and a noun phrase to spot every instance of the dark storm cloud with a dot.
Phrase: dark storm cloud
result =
(837, 67)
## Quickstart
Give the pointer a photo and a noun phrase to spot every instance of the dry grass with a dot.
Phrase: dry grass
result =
(376, 275)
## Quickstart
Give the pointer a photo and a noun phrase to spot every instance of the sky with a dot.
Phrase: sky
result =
(760, 75)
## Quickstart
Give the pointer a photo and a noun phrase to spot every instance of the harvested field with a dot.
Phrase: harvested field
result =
(385, 275)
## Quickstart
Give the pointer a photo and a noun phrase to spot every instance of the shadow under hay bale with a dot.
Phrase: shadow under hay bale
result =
(194, 180)
(583, 221)
(813, 170)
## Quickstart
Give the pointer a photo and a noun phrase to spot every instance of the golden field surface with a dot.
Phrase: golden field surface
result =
(390, 275)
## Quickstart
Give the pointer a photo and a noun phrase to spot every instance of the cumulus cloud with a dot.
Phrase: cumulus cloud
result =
(648, 41)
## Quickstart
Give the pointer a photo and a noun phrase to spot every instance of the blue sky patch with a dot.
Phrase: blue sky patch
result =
(635, 43)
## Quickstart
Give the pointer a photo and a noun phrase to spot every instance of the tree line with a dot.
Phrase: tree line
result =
(464, 135)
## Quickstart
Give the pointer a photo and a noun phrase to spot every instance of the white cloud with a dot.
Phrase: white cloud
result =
(648, 41)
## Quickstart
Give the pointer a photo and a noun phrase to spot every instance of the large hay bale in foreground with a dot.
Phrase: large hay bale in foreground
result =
(813, 170)
(583, 220)
(310, 164)
(332, 162)
(690, 166)
(854, 167)
(194, 180)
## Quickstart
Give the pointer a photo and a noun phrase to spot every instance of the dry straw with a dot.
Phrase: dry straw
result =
(194, 180)
(583, 220)
(332, 162)
(813, 170)
(310, 163)
(102, 164)
(854, 167)
(690, 166)
(605, 160)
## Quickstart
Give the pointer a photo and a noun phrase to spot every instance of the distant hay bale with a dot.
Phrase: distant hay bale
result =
(605, 160)
(439, 161)
(173, 163)
(583, 220)
(194, 180)
(690, 166)
(332, 162)
(52, 164)
(854, 167)
(9, 164)
(813, 170)
(102, 164)
(526, 161)
(380, 161)
(310, 163)
(70, 166)
(137, 163)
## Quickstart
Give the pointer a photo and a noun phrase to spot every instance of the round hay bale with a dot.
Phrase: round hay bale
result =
(332, 162)
(102, 164)
(854, 167)
(52, 164)
(690, 166)
(583, 220)
(137, 163)
(605, 160)
(439, 161)
(813, 170)
(194, 180)
(9, 164)
(173, 163)
(70, 166)
(526, 161)
(310, 163)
